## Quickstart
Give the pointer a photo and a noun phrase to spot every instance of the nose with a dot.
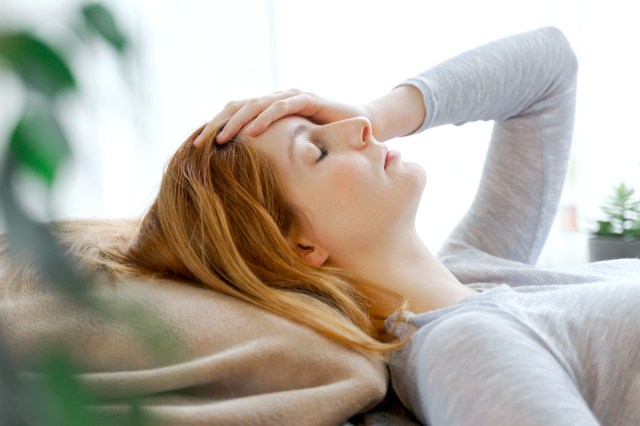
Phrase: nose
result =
(354, 132)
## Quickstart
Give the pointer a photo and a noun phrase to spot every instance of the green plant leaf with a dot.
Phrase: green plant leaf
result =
(31, 241)
(38, 143)
(633, 231)
(622, 194)
(622, 213)
(67, 400)
(39, 66)
(101, 20)
(605, 229)
(612, 211)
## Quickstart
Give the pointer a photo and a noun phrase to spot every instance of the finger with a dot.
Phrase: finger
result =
(243, 116)
(228, 111)
(304, 104)
(248, 112)
(207, 129)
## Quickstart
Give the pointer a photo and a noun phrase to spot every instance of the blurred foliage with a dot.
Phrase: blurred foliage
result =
(39, 66)
(622, 214)
(39, 146)
(99, 19)
(38, 143)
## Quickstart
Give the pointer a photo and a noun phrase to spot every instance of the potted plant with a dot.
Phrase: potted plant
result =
(618, 235)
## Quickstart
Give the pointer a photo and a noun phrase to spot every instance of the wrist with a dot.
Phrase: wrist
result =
(398, 113)
(371, 111)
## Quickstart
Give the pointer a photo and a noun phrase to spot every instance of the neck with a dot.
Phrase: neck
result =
(410, 269)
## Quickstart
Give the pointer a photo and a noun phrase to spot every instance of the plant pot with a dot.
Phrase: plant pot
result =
(605, 248)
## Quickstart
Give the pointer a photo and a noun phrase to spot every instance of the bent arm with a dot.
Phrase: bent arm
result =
(526, 83)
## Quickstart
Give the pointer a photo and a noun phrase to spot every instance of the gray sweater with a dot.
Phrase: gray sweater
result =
(537, 346)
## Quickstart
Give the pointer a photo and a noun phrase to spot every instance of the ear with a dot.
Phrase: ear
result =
(313, 255)
(308, 251)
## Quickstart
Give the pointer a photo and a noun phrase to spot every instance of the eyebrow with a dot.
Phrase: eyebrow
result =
(292, 146)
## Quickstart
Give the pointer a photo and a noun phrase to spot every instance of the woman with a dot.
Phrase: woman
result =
(291, 202)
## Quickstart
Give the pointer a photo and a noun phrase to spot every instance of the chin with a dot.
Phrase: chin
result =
(419, 173)
(414, 189)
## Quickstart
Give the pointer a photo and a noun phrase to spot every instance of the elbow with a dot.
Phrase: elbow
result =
(567, 56)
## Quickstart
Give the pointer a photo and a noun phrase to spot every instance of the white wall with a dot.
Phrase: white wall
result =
(194, 56)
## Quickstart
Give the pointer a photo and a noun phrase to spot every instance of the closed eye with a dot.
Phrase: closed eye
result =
(323, 153)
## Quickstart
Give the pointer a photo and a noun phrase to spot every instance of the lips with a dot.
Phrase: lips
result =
(390, 156)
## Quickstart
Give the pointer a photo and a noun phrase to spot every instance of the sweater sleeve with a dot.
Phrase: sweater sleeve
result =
(526, 84)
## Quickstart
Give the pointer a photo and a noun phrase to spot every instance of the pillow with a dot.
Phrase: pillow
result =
(221, 360)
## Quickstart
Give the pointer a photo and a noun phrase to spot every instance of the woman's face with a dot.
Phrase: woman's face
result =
(353, 196)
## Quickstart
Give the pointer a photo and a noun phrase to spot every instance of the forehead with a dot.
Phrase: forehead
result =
(277, 137)
(282, 128)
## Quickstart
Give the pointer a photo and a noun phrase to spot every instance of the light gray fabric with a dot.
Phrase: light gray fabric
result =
(537, 346)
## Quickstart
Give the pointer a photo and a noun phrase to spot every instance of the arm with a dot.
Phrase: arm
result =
(397, 113)
(526, 83)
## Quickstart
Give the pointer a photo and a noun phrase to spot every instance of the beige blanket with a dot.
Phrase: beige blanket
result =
(223, 361)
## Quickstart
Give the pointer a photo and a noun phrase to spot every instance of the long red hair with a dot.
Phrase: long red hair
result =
(220, 222)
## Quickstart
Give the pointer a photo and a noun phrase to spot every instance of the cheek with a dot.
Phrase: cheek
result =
(345, 199)
(350, 184)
